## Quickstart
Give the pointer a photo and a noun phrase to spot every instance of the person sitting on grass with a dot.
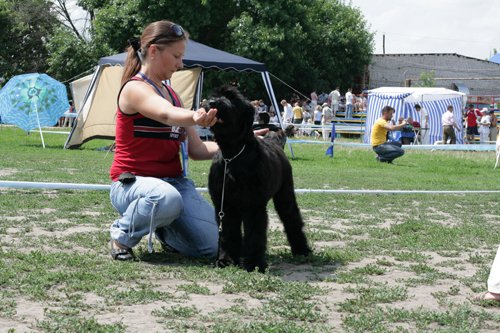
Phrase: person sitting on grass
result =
(407, 133)
(386, 151)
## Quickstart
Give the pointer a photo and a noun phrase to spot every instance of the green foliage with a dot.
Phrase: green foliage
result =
(427, 79)
(71, 56)
(27, 26)
(312, 45)
(117, 23)
(309, 45)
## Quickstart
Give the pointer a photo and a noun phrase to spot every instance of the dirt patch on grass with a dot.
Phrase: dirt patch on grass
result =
(452, 277)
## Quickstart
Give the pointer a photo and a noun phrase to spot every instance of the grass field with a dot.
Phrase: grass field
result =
(381, 263)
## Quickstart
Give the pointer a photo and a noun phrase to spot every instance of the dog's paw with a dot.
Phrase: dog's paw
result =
(250, 266)
(303, 251)
(222, 263)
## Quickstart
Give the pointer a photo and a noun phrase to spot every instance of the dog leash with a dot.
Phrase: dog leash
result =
(226, 162)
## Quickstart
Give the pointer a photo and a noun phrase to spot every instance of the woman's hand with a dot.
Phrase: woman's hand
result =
(204, 118)
(261, 132)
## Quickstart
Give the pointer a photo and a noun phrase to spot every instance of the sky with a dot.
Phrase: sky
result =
(466, 27)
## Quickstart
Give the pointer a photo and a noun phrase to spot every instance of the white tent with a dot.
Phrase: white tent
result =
(96, 112)
(403, 100)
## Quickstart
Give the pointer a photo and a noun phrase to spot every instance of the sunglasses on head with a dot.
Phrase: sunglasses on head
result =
(176, 30)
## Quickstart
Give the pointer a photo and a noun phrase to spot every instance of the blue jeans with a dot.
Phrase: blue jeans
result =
(348, 111)
(389, 151)
(172, 208)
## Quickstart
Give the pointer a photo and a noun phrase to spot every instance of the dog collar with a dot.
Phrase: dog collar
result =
(227, 160)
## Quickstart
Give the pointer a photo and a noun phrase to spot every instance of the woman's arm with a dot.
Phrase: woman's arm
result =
(198, 149)
(205, 150)
(139, 97)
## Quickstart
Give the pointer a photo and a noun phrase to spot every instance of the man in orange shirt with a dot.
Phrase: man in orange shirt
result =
(386, 151)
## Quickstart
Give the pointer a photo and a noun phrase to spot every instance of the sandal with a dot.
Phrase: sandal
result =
(121, 252)
(485, 296)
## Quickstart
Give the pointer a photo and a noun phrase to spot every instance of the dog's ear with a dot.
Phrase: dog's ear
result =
(240, 103)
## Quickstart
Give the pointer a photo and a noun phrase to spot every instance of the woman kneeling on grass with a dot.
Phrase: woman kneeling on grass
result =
(148, 188)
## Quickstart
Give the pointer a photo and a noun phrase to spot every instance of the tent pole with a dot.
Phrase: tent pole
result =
(86, 99)
(272, 97)
(199, 91)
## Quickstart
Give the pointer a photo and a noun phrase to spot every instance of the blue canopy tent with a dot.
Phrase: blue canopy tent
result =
(200, 55)
(95, 117)
(403, 100)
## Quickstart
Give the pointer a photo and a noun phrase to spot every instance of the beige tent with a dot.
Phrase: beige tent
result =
(97, 108)
(78, 89)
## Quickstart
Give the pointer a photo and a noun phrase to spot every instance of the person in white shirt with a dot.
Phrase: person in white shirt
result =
(484, 126)
(326, 120)
(318, 115)
(334, 98)
(424, 124)
(287, 112)
(349, 98)
(314, 100)
(448, 122)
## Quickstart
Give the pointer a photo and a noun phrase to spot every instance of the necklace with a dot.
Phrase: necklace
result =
(148, 80)
(174, 99)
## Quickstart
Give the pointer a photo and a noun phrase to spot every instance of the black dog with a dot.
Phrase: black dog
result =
(245, 174)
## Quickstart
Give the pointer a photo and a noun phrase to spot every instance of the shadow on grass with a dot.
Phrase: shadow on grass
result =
(315, 267)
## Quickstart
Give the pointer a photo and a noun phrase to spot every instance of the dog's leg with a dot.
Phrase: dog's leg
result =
(229, 240)
(255, 240)
(286, 206)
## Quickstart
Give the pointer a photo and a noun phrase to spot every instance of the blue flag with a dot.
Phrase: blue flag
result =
(329, 150)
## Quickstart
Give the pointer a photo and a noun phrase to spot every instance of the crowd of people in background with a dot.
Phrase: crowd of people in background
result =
(315, 110)
(480, 122)
(313, 116)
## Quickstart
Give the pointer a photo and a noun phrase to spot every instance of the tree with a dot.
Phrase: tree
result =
(312, 44)
(7, 23)
(427, 79)
(71, 52)
(64, 8)
(72, 56)
(29, 26)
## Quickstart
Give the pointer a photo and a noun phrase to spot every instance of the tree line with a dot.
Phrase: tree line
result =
(309, 44)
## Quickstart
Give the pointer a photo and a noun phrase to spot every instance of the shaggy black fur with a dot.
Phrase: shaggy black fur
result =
(256, 171)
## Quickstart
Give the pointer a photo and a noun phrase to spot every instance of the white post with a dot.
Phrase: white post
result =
(39, 127)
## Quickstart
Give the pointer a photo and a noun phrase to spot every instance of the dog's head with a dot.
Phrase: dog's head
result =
(235, 115)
